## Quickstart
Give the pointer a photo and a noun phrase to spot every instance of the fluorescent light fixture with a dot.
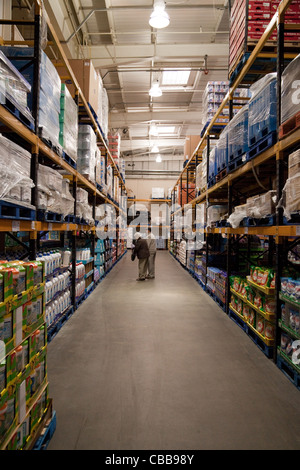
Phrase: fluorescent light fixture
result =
(154, 149)
(158, 158)
(159, 17)
(153, 130)
(155, 91)
(175, 77)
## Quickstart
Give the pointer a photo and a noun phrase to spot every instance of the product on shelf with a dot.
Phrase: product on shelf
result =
(262, 111)
(84, 209)
(290, 89)
(238, 134)
(14, 87)
(221, 155)
(68, 119)
(114, 143)
(54, 192)
(256, 207)
(215, 213)
(87, 150)
(16, 183)
(50, 89)
(290, 200)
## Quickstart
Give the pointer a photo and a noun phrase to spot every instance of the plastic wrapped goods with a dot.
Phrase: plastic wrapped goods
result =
(105, 109)
(50, 88)
(215, 214)
(15, 172)
(290, 200)
(262, 114)
(87, 150)
(221, 154)
(290, 90)
(294, 164)
(54, 192)
(68, 118)
(14, 87)
(238, 134)
(83, 208)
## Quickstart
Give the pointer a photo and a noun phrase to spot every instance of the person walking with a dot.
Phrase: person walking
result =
(151, 240)
(141, 250)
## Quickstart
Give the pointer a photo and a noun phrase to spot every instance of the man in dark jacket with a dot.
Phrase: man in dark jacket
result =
(141, 250)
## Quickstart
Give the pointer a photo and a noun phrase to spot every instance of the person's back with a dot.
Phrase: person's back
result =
(151, 240)
(141, 248)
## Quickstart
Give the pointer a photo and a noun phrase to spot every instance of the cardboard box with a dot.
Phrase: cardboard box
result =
(191, 142)
(87, 78)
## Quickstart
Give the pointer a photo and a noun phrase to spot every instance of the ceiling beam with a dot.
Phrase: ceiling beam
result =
(117, 55)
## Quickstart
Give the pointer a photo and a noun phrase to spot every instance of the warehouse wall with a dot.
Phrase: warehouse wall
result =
(142, 188)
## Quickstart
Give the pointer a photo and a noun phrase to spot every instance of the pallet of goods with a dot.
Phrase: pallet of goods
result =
(248, 21)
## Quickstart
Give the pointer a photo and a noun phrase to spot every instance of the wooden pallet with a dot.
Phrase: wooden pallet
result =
(289, 126)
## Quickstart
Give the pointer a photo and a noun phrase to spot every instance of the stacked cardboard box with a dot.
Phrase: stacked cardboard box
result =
(248, 21)
(114, 144)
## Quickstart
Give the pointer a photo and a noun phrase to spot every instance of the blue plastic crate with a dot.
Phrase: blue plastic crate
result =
(262, 116)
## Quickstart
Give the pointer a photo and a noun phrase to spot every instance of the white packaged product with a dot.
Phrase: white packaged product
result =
(215, 214)
(14, 171)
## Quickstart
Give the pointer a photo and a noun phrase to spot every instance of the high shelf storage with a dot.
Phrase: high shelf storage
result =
(245, 255)
(50, 235)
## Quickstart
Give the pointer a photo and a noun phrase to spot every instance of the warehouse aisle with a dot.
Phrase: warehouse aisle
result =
(157, 365)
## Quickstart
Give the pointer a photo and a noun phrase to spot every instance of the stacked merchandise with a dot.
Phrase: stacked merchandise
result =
(50, 89)
(214, 94)
(216, 213)
(57, 284)
(68, 119)
(216, 282)
(248, 21)
(109, 180)
(290, 321)
(200, 267)
(256, 207)
(221, 151)
(104, 114)
(262, 111)
(122, 167)
(23, 376)
(14, 88)
(253, 299)
(238, 144)
(182, 252)
(79, 281)
(87, 150)
(15, 173)
(84, 209)
(201, 174)
(158, 193)
(290, 94)
(108, 244)
(99, 260)
(84, 258)
(114, 143)
(54, 192)
(291, 192)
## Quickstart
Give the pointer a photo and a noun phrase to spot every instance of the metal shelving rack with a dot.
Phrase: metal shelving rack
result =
(40, 150)
(270, 162)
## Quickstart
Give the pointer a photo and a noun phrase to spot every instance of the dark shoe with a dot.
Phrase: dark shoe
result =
(141, 279)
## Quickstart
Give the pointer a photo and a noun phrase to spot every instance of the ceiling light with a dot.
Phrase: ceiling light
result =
(159, 17)
(155, 91)
(153, 130)
(154, 149)
(167, 130)
(158, 158)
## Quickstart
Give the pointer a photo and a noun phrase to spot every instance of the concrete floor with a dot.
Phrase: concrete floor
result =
(157, 365)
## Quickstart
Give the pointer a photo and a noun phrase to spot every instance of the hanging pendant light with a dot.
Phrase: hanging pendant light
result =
(155, 91)
(159, 17)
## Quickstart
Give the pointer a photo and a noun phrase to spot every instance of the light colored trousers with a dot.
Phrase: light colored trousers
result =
(151, 265)
(143, 266)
